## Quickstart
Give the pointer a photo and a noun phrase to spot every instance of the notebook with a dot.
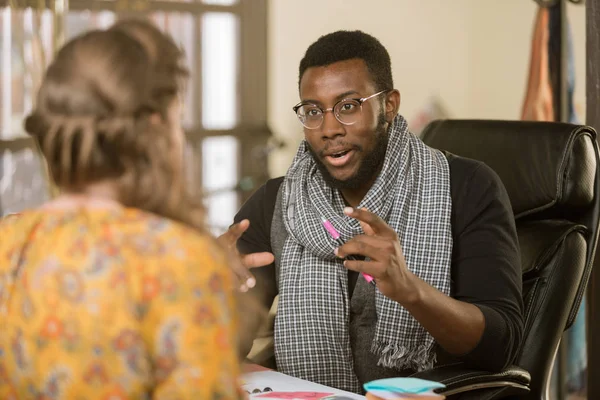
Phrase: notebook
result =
(268, 385)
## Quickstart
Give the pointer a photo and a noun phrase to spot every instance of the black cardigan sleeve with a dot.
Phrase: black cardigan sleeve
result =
(486, 265)
(258, 209)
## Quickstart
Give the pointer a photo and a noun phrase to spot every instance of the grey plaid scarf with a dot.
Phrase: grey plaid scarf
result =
(412, 194)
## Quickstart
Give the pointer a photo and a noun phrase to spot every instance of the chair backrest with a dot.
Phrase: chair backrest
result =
(551, 174)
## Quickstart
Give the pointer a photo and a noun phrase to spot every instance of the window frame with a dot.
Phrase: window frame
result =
(252, 130)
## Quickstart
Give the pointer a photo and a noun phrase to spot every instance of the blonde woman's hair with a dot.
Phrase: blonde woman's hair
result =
(95, 121)
(95, 118)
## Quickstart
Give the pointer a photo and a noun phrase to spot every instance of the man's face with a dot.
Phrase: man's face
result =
(348, 156)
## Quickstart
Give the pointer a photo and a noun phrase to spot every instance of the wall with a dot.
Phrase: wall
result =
(472, 54)
(499, 55)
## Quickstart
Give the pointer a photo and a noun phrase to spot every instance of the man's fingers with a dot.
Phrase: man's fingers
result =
(232, 235)
(373, 247)
(241, 263)
(245, 279)
(366, 227)
(372, 268)
(254, 260)
(378, 225)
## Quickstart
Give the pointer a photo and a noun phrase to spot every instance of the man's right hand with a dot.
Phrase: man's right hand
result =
(241, 263)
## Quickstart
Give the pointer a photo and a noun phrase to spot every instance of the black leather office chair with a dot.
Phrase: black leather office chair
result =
(551, 173)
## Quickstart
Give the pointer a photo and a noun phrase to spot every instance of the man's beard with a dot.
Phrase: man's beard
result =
(369, 166)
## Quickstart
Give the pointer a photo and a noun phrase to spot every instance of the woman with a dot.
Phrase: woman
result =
(113, 290)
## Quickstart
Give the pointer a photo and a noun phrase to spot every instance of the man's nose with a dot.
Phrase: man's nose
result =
(331, 127)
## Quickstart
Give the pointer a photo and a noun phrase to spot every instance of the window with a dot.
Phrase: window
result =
(25, 49)
(219, 176)
(225, 105)
(79, 22)
(220, 56)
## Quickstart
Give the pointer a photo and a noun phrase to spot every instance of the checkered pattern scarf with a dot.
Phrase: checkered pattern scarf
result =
(412, 194)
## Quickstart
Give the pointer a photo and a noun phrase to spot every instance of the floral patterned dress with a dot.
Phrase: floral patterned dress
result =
(113, 304)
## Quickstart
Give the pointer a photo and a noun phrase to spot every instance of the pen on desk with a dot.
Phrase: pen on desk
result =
(336, 236)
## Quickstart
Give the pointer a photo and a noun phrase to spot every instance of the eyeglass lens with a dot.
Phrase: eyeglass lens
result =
(346, 112)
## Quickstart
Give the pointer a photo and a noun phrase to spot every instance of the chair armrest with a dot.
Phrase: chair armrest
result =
(459, 379)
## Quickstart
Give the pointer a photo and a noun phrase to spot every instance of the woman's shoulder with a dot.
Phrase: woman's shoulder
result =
(13, 218)
(7, 223)
(130, 231)
(169, 248)
(166, 228)
(180, 241)
(16, 222)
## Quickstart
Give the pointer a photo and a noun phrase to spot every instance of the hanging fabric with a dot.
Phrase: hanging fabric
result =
(576, 371)
(538, 103)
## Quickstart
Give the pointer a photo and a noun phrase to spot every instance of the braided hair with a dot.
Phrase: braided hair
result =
(96, 118)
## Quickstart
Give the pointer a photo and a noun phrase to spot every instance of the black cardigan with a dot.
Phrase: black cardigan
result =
(486, 266)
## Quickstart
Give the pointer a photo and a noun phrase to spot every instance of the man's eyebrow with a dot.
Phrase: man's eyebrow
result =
(346, 94)
(338, 97)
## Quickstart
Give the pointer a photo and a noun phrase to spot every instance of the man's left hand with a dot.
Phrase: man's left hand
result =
(387, 265)
(242, 263)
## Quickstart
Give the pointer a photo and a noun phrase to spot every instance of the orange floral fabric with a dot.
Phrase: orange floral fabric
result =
(121, 304)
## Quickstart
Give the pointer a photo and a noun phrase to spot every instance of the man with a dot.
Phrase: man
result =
(434, 230)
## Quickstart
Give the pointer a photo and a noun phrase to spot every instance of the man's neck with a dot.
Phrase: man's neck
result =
(353, 197)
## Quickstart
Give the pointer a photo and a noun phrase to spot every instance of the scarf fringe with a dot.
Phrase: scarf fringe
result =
(400, 357)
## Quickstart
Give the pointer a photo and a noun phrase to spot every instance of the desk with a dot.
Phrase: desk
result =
(279, 386)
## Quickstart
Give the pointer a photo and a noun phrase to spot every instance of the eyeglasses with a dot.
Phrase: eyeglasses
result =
(346, 111)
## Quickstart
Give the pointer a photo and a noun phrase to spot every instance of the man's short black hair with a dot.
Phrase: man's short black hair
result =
(347, 45)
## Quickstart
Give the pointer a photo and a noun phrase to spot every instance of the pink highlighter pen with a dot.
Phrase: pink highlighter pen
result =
(336, 236)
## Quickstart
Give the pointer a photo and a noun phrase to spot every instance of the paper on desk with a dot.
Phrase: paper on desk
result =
(280, 386)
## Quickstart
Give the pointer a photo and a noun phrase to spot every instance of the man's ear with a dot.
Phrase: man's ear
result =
(392, 105)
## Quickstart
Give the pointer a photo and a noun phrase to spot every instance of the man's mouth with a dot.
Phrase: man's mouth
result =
(340, 154)
(339, 158)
